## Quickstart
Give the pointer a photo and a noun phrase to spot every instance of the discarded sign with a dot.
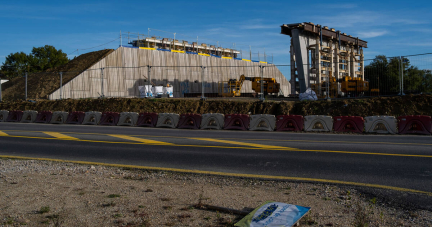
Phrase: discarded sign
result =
(274, 214)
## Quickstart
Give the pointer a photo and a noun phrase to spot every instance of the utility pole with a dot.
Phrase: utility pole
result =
(102, 83)
(250, 53)
(262, 83)
(202, 82)
(148, 82)
(120, 39)
(61, 84)
(26, 86)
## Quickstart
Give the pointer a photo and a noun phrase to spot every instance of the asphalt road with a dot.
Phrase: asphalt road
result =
(385, 160)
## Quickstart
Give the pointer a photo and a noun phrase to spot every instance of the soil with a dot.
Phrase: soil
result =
(40, 85)
(393, 106)
(46, 193)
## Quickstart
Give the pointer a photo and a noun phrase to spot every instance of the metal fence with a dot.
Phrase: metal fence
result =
(390, 76)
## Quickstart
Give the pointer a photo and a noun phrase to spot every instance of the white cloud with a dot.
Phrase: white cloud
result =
(371, 34)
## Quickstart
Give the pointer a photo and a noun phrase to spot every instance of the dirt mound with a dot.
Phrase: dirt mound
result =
(40, 85)
(395, 106)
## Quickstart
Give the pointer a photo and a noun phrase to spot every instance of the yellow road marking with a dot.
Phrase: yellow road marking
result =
(3, 133)
(267, 177)
(146, 141)
(244, 144)
(60, 136)
(141, 141)
(312, 141)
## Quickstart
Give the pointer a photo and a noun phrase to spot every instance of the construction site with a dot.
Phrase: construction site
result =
(327, 61)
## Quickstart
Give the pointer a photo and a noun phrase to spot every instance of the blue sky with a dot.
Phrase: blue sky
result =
(392, 28)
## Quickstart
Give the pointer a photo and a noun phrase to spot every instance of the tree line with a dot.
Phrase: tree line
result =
(39, 60)
(385, 73)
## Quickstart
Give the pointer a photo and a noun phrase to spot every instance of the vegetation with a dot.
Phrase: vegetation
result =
(39, 60)
(386, 72)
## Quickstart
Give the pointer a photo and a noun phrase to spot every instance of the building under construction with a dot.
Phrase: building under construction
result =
(326, 60)
(188, 68)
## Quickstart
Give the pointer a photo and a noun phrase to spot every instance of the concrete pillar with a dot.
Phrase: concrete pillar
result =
(300, 50)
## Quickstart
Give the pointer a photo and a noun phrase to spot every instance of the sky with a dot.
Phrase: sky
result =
(391, 28)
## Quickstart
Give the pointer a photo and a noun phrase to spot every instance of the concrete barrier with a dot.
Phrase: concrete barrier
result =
(29, 116)
(147, 120)
(44, 117)
(59, 117)
(236, 122)
(109, 118)
(381, 124)
(212, 121)
(128, 119)
(189, 121)
(167, 120)
(15, 116)
(318, 123)
(415, 124)
(262, 122)
(3, 115)
(76, 117)
(92, 118)
(290, 123)
(348, 124)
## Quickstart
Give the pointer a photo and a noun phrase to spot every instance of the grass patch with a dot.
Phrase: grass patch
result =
(43, 210)
(113, 196)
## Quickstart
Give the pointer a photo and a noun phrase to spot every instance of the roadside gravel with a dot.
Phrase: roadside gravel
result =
(43, 193)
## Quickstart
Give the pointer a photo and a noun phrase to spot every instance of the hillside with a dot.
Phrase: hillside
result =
(40, 85)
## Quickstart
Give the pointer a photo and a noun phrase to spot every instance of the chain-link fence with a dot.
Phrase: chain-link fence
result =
(382, 76)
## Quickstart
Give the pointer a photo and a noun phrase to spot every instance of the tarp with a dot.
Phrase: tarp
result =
(168, 91)
(273, 214)
(145, 91)
(308, 95)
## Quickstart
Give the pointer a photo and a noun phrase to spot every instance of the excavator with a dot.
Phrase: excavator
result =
(233, 88)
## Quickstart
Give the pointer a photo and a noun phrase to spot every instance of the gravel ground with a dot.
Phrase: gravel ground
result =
(43, 193)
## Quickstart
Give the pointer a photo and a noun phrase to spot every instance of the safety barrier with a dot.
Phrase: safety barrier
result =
(167, 120)
(59, 117)
(348, 124)
(147, 119)
(3, 115)
(190, 121)
(92, 118)
(415, 124)
(15, 116)
(262, 122)
(381, 124)
(237, 122)
(318, 123)
(128, 119)
(44, 117)
(293, 123)
(29, 116)
(212, 121)
(76, 117)
(109, 118)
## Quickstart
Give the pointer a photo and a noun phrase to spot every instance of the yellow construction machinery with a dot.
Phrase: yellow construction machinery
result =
(232, 88)
(353, 86)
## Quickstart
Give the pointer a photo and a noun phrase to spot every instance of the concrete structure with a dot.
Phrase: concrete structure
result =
(121, 73)
(318, 53)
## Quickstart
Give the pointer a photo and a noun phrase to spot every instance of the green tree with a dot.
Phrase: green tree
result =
(384, 72)
(47, 57)
(15, 64)
(40, 59)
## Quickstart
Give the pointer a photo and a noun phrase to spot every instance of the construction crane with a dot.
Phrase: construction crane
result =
(233, 86)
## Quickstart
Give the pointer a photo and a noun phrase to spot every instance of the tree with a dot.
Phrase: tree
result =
(40, 59)
(385, 72)
(43, 58)
(15, 64)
